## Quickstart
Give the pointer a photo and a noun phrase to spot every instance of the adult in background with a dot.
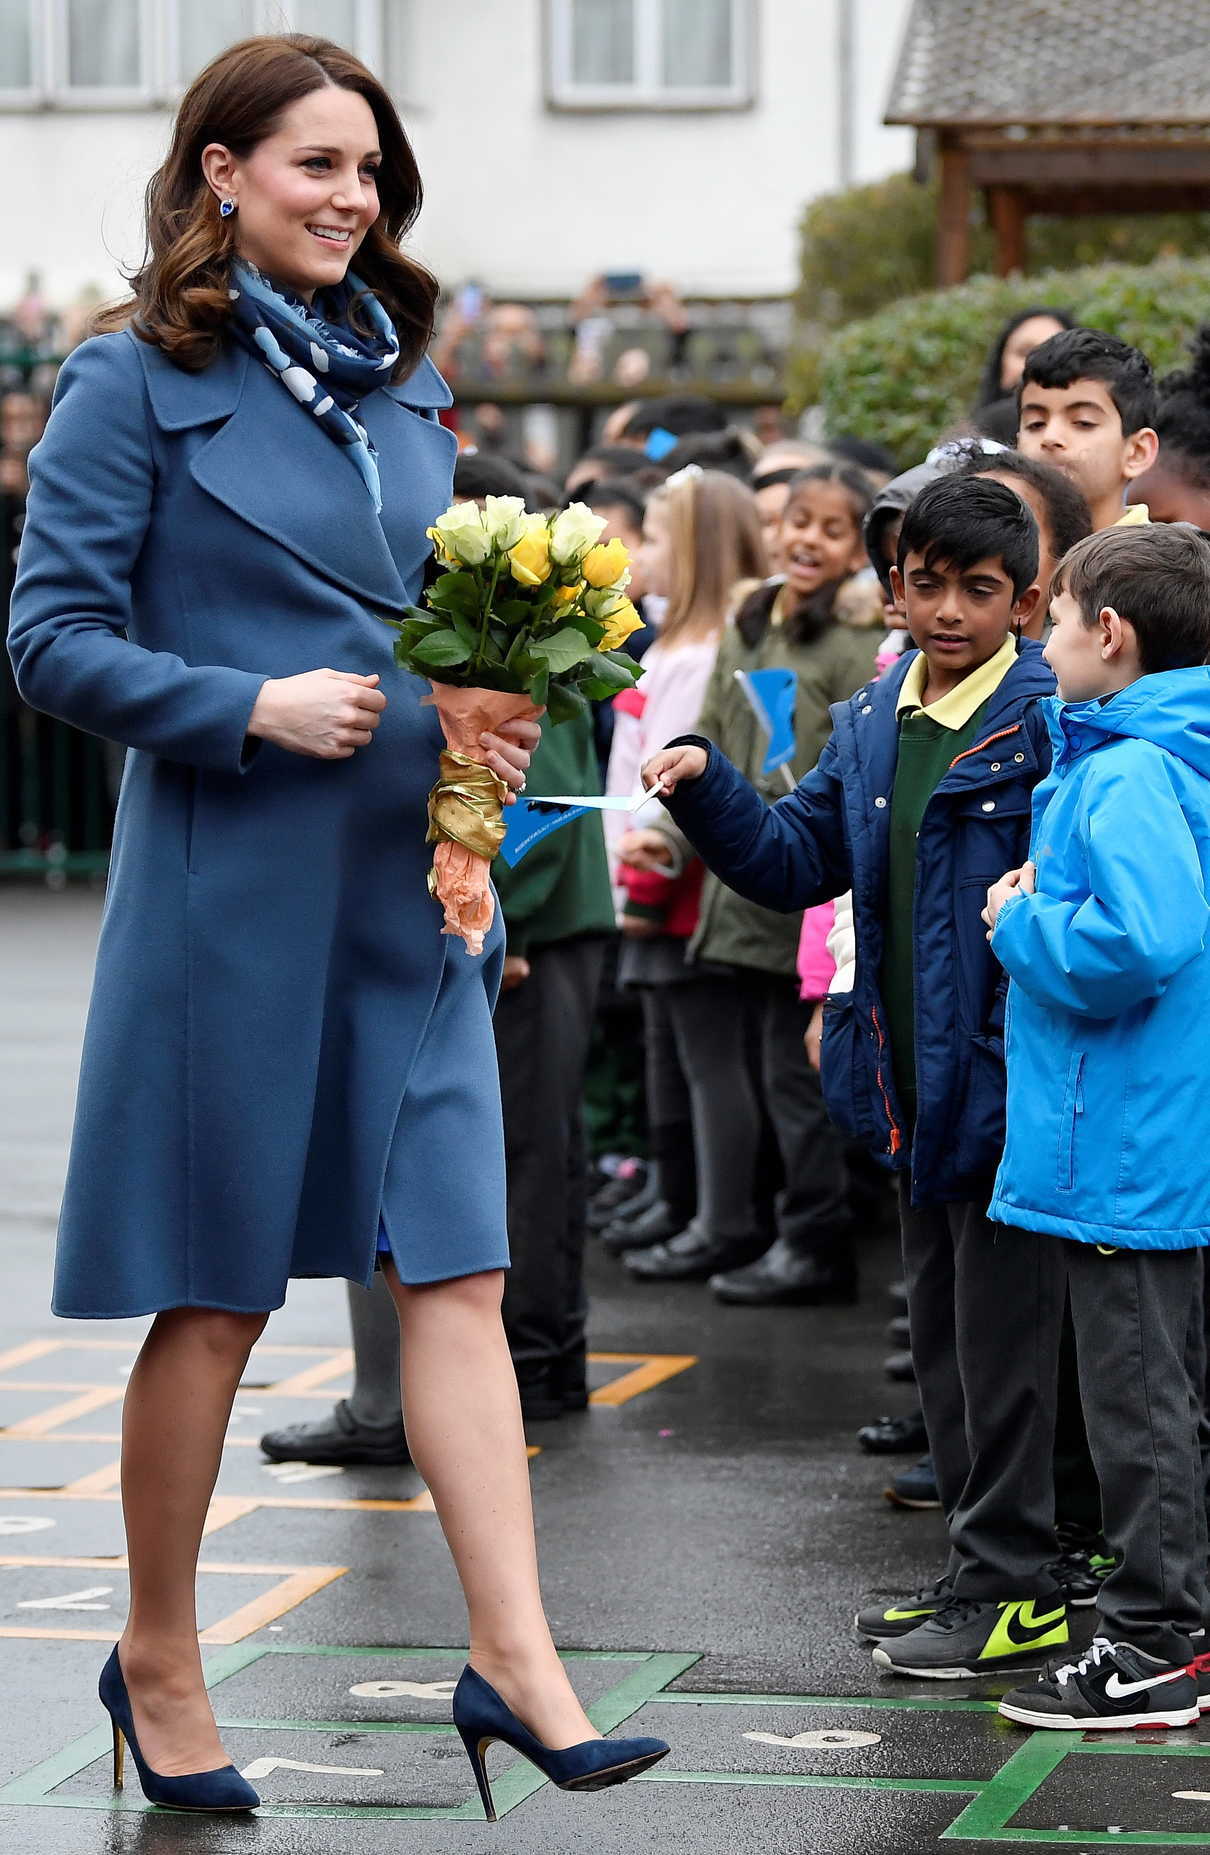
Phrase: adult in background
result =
(287, 1069)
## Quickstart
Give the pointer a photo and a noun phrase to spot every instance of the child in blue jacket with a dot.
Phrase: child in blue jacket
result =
(1105, 935)
(923, 787)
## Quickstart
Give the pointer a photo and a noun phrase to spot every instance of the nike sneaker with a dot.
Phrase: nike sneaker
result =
(1113, 1685)
(885, 1621)
(966, 1637)
(1083, 1564)
(1199, 1668)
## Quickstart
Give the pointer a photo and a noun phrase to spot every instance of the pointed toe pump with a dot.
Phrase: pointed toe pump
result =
(221, 1789)
(482, 1717)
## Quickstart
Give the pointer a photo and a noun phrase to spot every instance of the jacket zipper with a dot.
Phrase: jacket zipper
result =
(896, 1135)
(1001, 736)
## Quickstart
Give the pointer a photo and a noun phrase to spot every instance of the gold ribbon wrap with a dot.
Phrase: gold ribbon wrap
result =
(466, 807)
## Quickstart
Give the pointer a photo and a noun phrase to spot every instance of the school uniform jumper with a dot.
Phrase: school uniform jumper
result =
(976, 1300)
(282, 1047)
(1109, 1115)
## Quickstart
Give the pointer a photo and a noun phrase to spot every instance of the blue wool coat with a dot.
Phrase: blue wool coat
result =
(1108, 1108)
(281, 1045)
(833, 834)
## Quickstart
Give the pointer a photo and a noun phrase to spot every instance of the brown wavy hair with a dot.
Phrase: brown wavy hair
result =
(715, 542)
(180, 300)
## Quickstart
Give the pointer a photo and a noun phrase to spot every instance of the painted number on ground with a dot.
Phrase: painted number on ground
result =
(71, 1600)
(265, 1767)
(24, 1523)
(831, 1739)
(404, 1690)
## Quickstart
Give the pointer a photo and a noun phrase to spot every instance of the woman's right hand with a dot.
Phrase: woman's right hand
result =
(327, 714)
(669, 768)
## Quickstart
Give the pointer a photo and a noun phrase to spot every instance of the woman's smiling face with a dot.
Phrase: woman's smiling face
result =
(306, 195)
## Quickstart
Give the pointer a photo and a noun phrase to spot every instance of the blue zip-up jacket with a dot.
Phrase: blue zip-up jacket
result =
(833, 834)
(1109, 1108)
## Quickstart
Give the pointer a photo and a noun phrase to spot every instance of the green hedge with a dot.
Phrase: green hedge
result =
(906, 376)
(867, 247)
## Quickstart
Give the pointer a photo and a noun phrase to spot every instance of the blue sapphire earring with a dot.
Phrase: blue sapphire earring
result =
(226, 208)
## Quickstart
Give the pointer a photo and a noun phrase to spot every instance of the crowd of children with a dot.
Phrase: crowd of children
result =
(951, 941)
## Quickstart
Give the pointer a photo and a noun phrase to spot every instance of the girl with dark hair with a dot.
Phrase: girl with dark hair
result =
(286, 1066)
(1177, 486)
(1027, 330)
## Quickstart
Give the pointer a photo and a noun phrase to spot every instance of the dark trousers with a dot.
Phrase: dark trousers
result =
(716, 1020)
(669, 1107)
(984, 1306)
(543, 1027)
(1140, 1347)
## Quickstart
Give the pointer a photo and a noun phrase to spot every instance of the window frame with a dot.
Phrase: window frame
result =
(160, 85)
(647, 93)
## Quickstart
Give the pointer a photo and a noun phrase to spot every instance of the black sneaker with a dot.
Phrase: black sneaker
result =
(884, 1622)
(966, 1638)
(1082, 1566)
(915, 1487)
(1112, 1686)
(1199, 1668)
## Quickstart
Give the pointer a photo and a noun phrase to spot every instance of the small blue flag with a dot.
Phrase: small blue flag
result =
(772, 695)
(529, 822)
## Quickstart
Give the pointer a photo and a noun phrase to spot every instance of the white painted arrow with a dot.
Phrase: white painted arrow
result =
(24, 1523)
(829, 1739)
(71, 1600)
(290, 1472)
(400, 1690)
(265, 1767)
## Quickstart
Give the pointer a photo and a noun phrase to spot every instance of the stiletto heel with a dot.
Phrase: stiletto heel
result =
(476, 1751)
(221, 1789)
(481, 1716)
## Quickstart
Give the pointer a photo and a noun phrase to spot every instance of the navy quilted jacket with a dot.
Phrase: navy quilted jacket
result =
(833, 834)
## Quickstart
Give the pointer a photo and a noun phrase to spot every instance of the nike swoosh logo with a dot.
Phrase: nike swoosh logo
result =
(1041, 1626)
(905, 1616)
(1117, 1689)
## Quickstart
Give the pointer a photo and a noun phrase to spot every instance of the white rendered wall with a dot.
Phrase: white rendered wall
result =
(517, 195)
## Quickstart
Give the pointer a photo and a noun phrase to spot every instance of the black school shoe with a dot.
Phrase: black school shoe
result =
(885, 1622)
(693, 1256)
(915, 1487)
(1113, 1686)
(787, 1277)
(966, 1638)
(894, 1436)
(338, 1441)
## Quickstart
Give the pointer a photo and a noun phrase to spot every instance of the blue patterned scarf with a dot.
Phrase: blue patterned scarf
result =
(320, 358)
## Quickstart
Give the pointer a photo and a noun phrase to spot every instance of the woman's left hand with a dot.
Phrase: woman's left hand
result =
(510, 752)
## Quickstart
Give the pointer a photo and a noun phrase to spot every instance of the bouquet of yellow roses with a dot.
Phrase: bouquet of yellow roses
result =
(530, 613)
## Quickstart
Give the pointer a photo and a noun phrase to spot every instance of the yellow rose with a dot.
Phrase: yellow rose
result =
(567, 595)
(529, 560)
(618, 627)
(605, 563)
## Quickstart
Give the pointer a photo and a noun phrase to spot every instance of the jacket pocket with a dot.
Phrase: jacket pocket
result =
(1073, 1109)
(844, 1069)
(978, 1136)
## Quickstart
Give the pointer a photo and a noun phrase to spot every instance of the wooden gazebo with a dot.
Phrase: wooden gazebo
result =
(1055, 106)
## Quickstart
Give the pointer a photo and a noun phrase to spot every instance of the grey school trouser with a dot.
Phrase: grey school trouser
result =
(985, 1305)
(1140, 1344)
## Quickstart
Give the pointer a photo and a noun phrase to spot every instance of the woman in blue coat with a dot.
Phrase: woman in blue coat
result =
(287, 1068)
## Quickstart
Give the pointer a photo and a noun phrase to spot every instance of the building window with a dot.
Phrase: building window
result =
(106, 54)
(650, 54)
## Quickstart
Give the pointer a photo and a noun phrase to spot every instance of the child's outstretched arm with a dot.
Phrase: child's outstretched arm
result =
(785, 856)
(1147, 913)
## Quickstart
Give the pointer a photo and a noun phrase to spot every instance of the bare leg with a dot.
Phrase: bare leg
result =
(463, 1419)
(178, 1404)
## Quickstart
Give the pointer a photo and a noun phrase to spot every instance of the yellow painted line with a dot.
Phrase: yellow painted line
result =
(82, 1405)
(99, 1482)
(224, 1508)
(27, 1353)
(419, 1504)
(288, 1595)
(650, 1369)
(37, 1635)
(321, 1373)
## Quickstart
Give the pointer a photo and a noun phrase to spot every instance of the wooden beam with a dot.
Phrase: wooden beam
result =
(954, 215)
(1098, 164)
(1008, 223)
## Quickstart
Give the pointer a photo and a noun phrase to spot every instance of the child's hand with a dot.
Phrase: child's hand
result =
(669, 768)
(1000, 892)
(645, 850)
(813, 1037)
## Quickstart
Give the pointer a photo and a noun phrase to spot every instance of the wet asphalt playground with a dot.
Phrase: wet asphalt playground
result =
(707, 1530)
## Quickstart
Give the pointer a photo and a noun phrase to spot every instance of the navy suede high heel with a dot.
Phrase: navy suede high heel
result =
(481, 1717)
(221, 1789)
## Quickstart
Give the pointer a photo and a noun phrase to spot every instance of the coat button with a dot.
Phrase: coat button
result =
(868, 709)
(989, 805)
(881, 804)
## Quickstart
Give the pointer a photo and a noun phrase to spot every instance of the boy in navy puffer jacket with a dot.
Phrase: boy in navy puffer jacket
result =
(925, 784)
(1104, 934)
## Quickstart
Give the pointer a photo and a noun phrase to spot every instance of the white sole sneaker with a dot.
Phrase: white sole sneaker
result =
(1098, 1723)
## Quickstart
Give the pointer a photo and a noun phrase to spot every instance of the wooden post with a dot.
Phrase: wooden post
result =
(953, 215)
(1008, 221)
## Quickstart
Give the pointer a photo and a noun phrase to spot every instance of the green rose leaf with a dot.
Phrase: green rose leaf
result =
(587, 628)
(564, 704)
(562, 651)
(442, 649)
(613, 675)
(539, 689)
(455, 592)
